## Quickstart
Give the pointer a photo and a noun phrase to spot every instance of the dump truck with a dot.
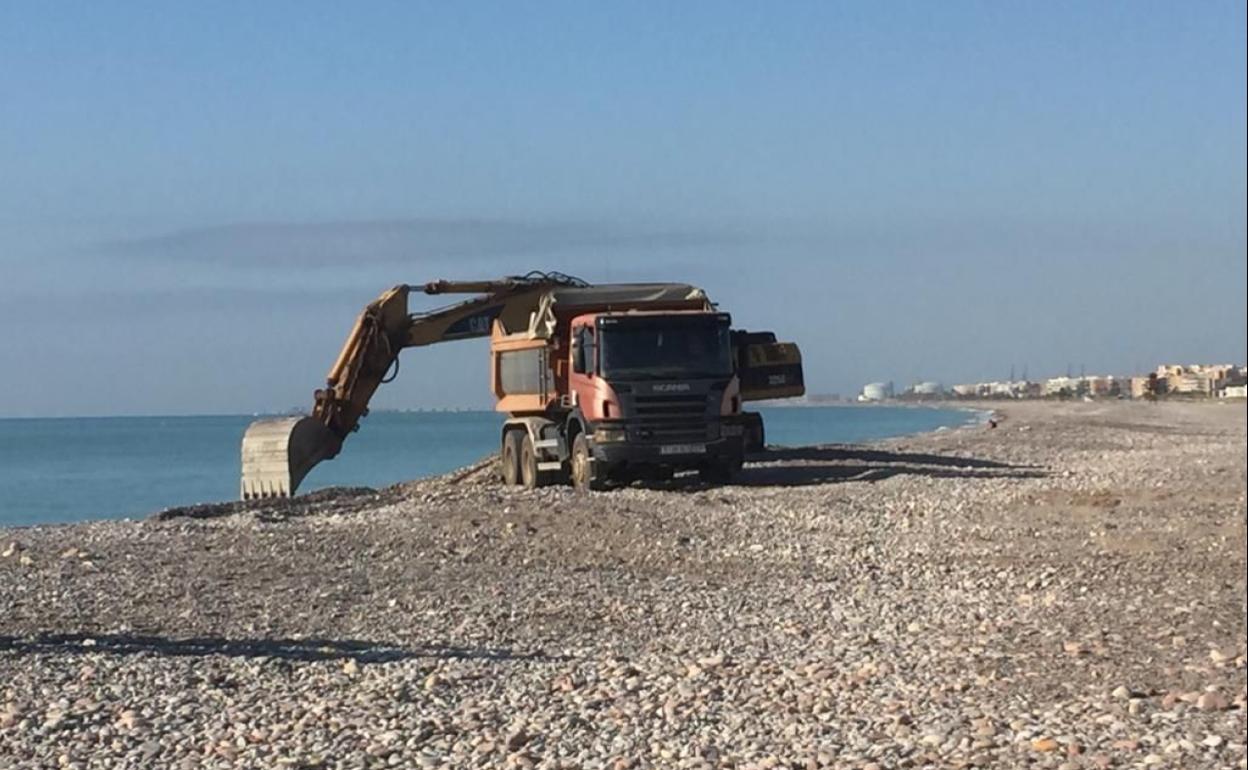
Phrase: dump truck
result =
(600, 384)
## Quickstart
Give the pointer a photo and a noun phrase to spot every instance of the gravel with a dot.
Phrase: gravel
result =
(1066, 590)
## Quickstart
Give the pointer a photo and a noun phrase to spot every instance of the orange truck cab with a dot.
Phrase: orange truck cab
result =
(655, 392)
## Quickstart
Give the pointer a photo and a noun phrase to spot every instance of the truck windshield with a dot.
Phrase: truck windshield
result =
(665, 349)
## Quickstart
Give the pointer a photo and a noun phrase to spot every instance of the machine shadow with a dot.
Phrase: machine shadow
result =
(302, 650)
(805, 466)
(841, 453)
(804, 475)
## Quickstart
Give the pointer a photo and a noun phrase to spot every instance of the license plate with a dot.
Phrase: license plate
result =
(683, 449)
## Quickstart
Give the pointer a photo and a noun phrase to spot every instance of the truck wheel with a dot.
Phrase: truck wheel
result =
(585, 476)
(509, 460)
(528, 463)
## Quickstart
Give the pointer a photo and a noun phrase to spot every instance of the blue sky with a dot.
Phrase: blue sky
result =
(195, 199)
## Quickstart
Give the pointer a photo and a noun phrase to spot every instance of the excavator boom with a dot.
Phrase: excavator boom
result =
(278, 453)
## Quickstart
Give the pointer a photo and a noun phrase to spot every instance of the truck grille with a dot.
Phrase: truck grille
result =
(671, 419)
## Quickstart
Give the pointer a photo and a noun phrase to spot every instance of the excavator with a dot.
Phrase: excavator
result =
(600, 384)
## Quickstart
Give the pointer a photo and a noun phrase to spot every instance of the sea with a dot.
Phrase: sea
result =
(59, 470)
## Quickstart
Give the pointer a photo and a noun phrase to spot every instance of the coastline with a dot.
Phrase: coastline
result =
(121, 479)
(1066, 588)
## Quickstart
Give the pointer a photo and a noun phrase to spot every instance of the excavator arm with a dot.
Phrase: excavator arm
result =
(278, 453)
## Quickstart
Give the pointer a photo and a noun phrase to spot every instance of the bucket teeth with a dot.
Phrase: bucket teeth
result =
(260, 488)
(277, 454)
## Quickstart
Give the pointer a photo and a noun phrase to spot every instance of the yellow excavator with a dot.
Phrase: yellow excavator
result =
(598, 382)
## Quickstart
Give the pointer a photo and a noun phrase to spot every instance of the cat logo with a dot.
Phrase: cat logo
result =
(476, 325)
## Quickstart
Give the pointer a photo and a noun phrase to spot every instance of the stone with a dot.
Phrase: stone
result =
(1044, 744)
(517, 740)
(1212, 701)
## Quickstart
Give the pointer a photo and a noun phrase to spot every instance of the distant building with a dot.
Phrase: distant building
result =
(995, 389)
(1063, 386)
(1213, 371)
(1029, 390)
(1143, 387)
(999, 389)
(1180, 379)
(1234, 387)
(1197, 379)
(1100, 386)
(1191, 384)
(927, 389)
(876, 391)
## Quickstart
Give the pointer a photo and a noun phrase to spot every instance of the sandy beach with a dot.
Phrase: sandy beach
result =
(1066, 590)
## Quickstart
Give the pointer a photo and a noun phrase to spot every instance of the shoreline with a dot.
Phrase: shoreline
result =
(156, 510)
(1065, 589)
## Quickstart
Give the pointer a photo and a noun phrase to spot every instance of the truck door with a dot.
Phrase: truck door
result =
(584, 352)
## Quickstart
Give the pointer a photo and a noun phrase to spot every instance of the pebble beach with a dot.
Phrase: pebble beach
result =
(1064, 590)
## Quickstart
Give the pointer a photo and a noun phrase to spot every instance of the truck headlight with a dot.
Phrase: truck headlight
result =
(608, 434)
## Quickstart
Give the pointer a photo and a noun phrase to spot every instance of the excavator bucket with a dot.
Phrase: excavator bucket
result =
(278, 453)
